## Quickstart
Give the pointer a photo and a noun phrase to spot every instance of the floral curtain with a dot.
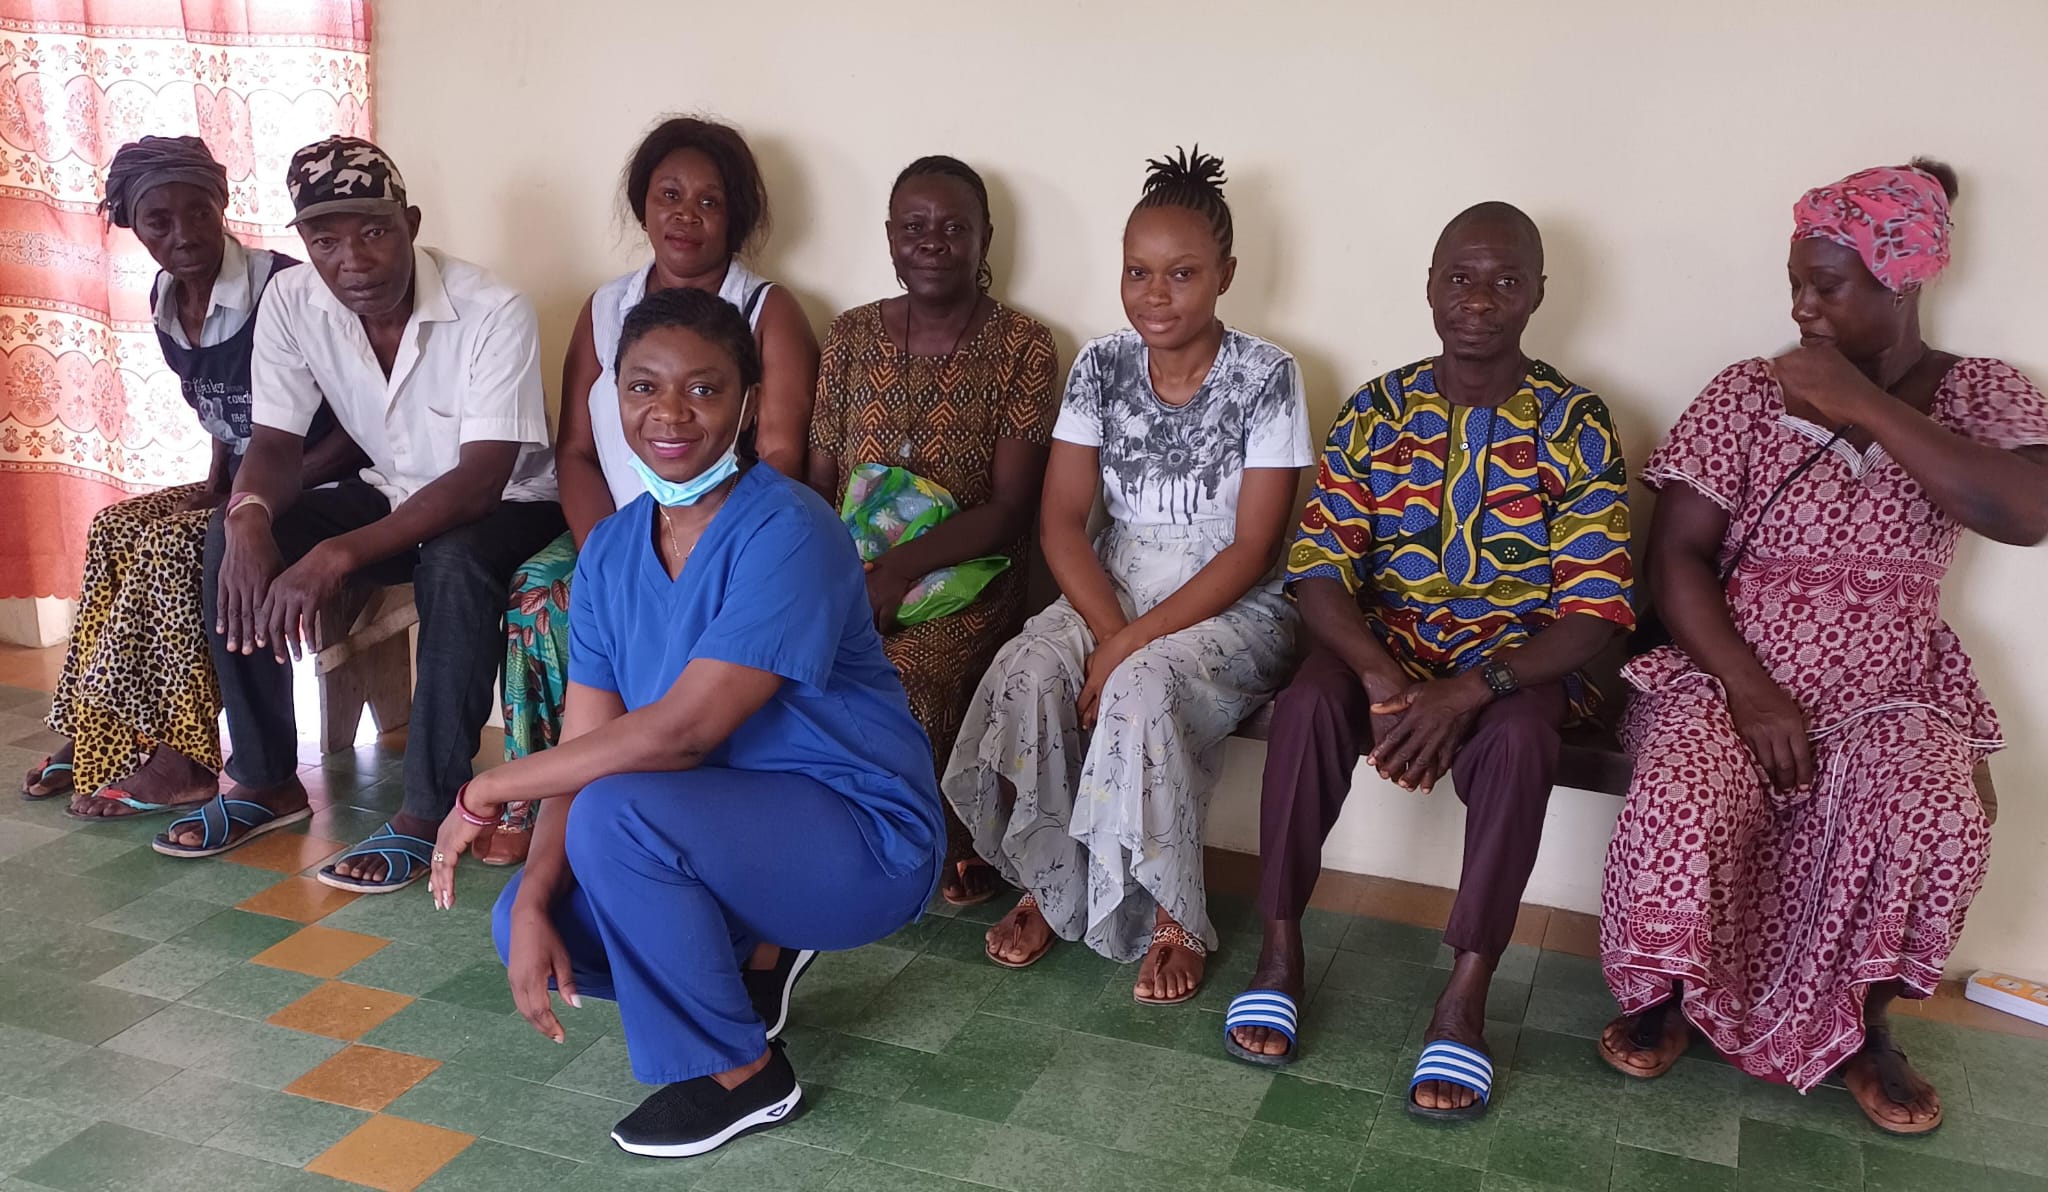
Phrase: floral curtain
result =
(88, 411)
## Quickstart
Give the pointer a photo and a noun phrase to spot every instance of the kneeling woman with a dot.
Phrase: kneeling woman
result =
(1802, 837)
(738, 765)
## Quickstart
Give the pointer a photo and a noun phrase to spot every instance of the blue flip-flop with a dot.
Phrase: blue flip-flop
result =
(114, 794)
(50, 766)
(1268, 1008)
(219, 818)
(1451, 1062)
(408, 858)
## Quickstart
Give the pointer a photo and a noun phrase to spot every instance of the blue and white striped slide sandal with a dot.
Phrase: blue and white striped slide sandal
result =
(1453, 1063)
(218, 818)
(1268, 1008)
(407, 859)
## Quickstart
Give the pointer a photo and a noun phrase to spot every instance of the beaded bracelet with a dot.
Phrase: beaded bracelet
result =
(468, 816)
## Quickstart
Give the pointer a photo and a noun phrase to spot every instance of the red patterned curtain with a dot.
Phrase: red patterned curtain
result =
(88, 412)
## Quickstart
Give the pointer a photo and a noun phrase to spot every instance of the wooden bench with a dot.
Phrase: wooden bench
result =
(369, 662)
(1592, 758)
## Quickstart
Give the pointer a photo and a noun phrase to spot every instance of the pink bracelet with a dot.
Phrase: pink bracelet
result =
(468, 816)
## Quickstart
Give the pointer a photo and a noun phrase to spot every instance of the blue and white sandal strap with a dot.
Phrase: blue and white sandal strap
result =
(219, 817)
(1454, 1063)
(1268, 1008)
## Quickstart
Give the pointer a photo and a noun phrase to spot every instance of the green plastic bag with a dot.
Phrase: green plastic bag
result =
(885, 506)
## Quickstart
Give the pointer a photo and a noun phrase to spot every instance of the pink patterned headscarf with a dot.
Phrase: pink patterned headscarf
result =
(1895, 217)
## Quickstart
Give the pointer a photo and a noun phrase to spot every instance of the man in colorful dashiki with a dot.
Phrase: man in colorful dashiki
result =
(1464, 554)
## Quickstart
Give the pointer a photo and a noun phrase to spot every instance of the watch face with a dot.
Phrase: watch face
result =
(1500, 678)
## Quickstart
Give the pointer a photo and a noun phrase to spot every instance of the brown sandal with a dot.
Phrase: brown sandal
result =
(1888, 1060)
(960, 869)
(1026, 902)
(1174, 935)
(1674, 1029)
(499, 847)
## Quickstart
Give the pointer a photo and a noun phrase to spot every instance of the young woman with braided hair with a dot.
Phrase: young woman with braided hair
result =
(1094, 740)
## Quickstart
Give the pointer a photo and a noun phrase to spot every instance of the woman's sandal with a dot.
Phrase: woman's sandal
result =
(1889, 1061)
(1173, 935)
(1674, 1029)
(406, 860)
(499, 847)
(1447, 1061)
(41, 774)
(219, 818)
(961, 869)
(1023, 903)
(1268, 1008)
(135, 806)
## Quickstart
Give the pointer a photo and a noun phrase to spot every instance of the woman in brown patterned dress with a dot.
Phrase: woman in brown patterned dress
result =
(945, 382)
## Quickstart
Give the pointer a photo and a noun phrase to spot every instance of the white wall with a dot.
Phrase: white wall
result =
(1659, 146)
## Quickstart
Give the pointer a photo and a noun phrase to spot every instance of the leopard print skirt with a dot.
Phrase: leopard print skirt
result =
(137, 674)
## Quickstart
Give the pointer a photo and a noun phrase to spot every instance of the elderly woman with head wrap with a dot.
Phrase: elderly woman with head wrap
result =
(1802, 837)
(137, 699)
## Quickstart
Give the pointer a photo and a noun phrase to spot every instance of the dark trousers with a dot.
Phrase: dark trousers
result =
(1503, 773)
(459, 585)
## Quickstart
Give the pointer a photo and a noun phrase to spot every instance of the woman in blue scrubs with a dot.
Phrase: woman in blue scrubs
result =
(739, 777)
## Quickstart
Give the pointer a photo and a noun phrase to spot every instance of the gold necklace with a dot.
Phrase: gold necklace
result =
(668, 527)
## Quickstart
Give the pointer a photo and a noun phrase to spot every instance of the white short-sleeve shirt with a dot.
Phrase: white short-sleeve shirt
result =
(1177, 465)
(467, 371)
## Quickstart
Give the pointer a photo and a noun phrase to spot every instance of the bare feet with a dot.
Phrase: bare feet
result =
(279, 800)
(1646, 1045)
(1172, 971)
(167, 779)
(38, 785)
(1020, 937)
(374, 867)
(1280, 967)
(1460, 1017)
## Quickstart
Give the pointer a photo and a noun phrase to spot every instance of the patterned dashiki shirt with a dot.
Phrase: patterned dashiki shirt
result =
(1463, 530)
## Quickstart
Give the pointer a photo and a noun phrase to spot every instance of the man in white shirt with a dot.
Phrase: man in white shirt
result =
(432, 366)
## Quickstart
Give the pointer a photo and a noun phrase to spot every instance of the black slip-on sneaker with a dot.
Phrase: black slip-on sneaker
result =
(770, 989)
(698, 1116)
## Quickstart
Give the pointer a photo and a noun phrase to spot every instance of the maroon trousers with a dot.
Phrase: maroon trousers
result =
(1503, 773)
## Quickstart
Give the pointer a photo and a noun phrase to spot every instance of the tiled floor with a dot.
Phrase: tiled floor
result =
(232, 1025)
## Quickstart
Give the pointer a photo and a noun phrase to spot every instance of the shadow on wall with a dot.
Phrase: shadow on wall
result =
(791, 203)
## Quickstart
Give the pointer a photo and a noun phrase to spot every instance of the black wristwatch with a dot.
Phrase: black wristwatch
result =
(1500, 679)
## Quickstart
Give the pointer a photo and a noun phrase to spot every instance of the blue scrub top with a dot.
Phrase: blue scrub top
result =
(774, 584)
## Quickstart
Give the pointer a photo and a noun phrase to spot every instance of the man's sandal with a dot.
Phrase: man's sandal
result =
(1268, 1008)
(1447, 1061)
(219, 818)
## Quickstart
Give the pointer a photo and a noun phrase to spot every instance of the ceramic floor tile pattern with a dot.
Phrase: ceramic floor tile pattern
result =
(216, 1025)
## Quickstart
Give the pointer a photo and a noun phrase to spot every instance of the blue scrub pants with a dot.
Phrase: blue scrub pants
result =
(679, 875)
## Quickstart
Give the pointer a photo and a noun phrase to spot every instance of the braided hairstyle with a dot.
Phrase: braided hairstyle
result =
(943, 166)
(1192, 180)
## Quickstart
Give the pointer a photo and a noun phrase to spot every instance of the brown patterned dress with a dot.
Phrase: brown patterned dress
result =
(940, 417)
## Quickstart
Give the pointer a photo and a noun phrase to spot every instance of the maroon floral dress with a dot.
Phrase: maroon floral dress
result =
(1779, 910)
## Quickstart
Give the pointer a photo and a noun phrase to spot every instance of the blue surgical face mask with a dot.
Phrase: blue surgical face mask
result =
(693, 490)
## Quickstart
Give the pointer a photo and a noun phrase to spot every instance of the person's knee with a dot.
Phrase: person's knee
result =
(501, 918)
(1144, 679)
(1317, 699)
(1522, 731)
(597, 820)
(454, 566)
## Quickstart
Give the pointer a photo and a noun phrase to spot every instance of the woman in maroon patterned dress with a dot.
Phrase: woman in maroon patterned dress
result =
(1802, 837)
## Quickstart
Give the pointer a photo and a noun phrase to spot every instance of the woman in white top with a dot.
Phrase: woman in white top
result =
(1088, 755)
(694, 188)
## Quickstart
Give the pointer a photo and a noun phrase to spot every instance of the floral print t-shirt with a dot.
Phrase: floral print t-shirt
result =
(1182, 465)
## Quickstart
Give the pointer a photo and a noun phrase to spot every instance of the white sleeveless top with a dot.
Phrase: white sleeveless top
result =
(743, 288)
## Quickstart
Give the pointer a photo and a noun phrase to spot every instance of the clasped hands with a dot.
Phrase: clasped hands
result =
(263, 603)
(1416, 730)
